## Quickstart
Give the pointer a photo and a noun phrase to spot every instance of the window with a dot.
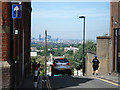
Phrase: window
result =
(61, 61)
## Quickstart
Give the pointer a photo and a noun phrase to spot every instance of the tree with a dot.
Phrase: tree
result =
(78, 59)
(78, 56)
(36, 60)
(90, 45)
(52, 51)
(70, 52)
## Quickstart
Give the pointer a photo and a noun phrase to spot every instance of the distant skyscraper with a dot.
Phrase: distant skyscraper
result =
(40, 37)
(33, 38)
(49, 37)
(57, 39)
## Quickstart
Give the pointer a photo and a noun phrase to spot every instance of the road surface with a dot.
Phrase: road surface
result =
(65, 82)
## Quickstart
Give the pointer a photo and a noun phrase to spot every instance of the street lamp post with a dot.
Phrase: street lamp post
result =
(83, 67)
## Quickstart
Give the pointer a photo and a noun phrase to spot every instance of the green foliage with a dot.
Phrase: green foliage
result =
(41, 53)
(42, 73)
(59, 52)
(76, 59)
(75, 45)
(78, 56)
(70, 52)
(90, 45)
(36, 60)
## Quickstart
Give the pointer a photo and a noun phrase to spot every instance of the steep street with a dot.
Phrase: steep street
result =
(65, 82)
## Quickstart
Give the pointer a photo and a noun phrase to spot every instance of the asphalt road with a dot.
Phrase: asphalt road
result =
(65, 82)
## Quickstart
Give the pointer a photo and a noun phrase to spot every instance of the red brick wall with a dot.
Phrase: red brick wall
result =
(0, 31)
(24, 23)
(5, 46)
(0, 13)
(115, 8)
(115, 17)
(6, 13)
(5, 32)
(7, 37)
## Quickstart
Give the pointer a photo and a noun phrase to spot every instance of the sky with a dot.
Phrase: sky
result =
(61, 19)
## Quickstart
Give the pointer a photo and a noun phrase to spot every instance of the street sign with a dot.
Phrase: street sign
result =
(33, 54)
(16, 11)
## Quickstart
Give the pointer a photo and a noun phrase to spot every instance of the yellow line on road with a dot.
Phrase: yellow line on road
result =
(107, 81)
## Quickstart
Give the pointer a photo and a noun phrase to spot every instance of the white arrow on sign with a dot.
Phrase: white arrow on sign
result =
(16, 9)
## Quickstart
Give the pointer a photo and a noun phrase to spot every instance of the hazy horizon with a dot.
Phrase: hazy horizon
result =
(61, 19)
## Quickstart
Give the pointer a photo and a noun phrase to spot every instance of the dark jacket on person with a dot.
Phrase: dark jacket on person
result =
(95, 62)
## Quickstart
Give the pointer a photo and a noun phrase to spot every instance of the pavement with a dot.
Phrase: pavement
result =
(28, 82)
(113, 78)
(78, 82)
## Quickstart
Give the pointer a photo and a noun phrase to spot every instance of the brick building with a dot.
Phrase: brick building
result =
(7, 41)
(115, 35)
(108, 47)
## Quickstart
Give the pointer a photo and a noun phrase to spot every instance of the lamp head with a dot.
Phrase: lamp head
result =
(81, 16)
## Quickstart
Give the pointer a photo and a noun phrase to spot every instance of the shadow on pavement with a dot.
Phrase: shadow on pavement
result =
(28, 82)
(67, 81)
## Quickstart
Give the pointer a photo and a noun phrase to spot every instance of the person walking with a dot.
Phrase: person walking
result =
(95, 65)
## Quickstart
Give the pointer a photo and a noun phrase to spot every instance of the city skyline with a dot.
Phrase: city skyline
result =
(61, 20)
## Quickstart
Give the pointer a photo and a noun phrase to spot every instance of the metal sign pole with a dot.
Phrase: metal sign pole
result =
(45, 52)
(13, 66)
(16, 46)
(15, 22)
(16, 13)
